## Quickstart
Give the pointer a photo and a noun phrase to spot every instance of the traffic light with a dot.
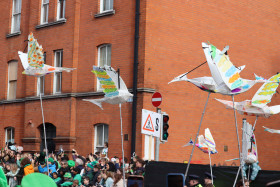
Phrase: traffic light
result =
(165, 126)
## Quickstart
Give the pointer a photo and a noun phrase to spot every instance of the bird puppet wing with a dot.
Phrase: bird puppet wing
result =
(271, 130)
(35, 53)
(266, 91)
(228, 72)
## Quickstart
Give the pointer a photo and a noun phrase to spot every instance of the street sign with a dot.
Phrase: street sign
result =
(150, 123)
(156, 99)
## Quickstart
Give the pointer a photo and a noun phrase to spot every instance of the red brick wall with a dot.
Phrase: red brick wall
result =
(173, 36)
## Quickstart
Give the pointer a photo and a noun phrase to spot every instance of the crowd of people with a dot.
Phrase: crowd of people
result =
(72, 170)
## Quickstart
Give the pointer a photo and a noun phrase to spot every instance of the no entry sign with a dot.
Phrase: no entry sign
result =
(156, 99)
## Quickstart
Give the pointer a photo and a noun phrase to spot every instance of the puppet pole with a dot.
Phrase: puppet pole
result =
(210, 165)
(240, 157)
(186, 174)
(254, 125)
(46, 148)
(236, 176)
(193, 69)
(120, 105)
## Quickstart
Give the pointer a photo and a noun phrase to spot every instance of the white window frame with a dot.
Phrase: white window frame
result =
(58, 14)
(44, 12)
(16, 16)
(100, 147)
(12, 131)
(108, 47)
(106, 9)
(57, 75)
(12, 80)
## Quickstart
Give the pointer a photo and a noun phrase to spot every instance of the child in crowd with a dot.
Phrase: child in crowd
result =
(56, 178)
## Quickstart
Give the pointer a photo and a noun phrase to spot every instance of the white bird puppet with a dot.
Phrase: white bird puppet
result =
(206, 144)
(258, 105)
(33, 61)
(109, 81)
(115, 93)
(225, 76)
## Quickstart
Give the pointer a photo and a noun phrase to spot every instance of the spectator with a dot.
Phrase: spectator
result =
(12, 175)
(107, 177)
(99, 181)
(118, 182)
(67, 180)
(194, 181)
(105, 150)
(89, 171)
(208, 178)
(44, 168)
(96, 172)
(103, 163)
(26, 165)
(64, 168)
(76, 173)
(139, 170)
(75, 183)
(56, 178)
(86, 182)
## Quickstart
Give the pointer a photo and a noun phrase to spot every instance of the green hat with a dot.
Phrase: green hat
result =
(67, 175)
(90, 165)
(3, 179)
(38, 180)
(50, 160)
(71, 163)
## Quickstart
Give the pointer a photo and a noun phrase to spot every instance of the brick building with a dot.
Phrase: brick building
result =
(82, 33)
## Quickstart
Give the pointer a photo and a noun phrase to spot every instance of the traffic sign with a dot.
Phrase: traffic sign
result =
(150, 123)
(156, 99)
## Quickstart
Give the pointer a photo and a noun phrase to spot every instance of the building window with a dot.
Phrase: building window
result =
(10, 135)
(58, 57)
(101, 136)
(106, 5)
(12, 80)
(60, 9)
(104, 58)
(16, 16)
(40, 85)
(44, 11)
(41, 81)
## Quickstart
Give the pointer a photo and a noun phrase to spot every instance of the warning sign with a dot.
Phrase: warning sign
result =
(150, 123)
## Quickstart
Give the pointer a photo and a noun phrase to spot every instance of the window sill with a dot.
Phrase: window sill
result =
(61, 21)
(107, 13)
(13, 34)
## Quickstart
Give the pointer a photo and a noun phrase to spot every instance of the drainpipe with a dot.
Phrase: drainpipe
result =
(135, 77)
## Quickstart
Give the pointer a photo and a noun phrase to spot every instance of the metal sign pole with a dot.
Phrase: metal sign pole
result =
(157, 141)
